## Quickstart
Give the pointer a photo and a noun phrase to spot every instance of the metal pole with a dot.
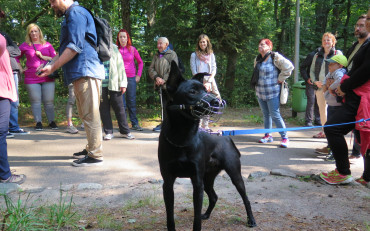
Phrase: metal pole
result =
(296, 45)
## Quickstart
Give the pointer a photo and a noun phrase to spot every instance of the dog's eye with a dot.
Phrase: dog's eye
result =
(193, 92)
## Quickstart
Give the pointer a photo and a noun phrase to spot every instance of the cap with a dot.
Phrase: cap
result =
(341, 59)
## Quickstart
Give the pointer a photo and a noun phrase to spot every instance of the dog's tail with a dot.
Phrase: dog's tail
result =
(235, 146)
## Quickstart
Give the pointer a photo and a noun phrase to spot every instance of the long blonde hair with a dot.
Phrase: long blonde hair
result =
(208, 49)
(28, 38)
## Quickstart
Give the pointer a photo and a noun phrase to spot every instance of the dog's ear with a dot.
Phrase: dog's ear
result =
(174, 79)
(199, 77)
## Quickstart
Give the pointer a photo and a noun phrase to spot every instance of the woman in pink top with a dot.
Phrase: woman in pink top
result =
(38, 52)
(129, 55)
(8, 93)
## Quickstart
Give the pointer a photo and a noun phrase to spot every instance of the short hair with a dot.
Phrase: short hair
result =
(331, 36)
(363, 16)
(267, 41)
(163, 39)
(129, 43)
(209, 44)
(28, 39)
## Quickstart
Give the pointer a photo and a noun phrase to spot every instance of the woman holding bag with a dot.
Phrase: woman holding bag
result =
(40, 89)
(271, 69)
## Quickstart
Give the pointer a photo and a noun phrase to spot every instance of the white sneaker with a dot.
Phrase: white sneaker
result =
(128, 136)
(71, 129)
(108, 137)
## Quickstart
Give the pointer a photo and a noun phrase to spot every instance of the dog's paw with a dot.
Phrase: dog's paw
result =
(205, 216)
(251, 223)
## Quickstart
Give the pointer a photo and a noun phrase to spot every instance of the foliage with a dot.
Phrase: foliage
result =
(234, 26)
(21, 215)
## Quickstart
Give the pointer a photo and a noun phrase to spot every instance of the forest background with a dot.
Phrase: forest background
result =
(234, 27)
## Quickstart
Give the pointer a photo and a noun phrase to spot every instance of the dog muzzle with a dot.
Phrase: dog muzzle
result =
(209, 106)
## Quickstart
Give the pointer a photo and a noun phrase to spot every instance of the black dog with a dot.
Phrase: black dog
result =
(185, 152)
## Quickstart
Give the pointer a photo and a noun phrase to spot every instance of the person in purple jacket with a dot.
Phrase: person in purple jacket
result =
(129, 55)
(40, 89)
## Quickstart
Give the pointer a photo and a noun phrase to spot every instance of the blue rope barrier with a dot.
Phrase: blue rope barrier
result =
(257, 131)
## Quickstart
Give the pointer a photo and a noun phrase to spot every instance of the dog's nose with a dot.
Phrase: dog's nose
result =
(215, 102)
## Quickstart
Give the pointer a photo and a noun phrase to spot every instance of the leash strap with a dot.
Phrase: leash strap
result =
(257, 131)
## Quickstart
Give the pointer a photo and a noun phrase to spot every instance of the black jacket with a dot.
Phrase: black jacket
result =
(350, 50)
(306, 64)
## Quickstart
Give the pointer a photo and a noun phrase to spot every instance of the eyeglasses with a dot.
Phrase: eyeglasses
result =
(359, 25)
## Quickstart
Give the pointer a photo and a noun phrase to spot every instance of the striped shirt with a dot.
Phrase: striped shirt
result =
(267, 86)
(105, 81)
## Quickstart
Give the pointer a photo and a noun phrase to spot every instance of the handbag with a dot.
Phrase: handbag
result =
(53, 75)
(284, 92)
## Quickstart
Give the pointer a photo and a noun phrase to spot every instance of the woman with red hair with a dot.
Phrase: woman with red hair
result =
(129, 55)
(271, 69)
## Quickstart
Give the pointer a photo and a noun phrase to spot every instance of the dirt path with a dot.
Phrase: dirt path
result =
(126, 194)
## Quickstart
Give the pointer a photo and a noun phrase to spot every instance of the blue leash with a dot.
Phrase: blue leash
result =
(256, 131)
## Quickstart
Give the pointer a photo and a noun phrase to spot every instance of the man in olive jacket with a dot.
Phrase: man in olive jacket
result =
(159, 71)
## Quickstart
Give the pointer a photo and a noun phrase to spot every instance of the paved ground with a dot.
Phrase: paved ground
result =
(46, 156)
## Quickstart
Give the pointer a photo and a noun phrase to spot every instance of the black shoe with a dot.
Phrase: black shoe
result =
(317, 123)
(330, 157)
(137, 128)
(53, 125)
(38, 126)
(20, 132)
(9, 135)
(80, 155)
(87, 161)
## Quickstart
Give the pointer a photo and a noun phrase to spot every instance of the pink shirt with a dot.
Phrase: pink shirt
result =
(33, 61)
(129, 61)
(7, 86)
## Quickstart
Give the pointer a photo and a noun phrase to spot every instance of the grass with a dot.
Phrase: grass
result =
(24, 215)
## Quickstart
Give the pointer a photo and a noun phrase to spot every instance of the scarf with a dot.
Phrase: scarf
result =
(204, 57)
(163, 52)
(256, 70)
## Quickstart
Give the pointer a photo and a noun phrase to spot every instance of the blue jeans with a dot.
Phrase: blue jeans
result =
(4, 125)
(13, 120)
(129, 100)
(271, 112)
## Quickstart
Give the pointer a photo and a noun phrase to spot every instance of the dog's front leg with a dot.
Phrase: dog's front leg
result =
(198, 189)
(168, 196)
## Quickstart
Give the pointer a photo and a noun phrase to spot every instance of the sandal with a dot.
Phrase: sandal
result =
(320, 135)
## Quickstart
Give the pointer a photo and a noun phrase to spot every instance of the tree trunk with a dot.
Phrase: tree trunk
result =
(126, 9)
(151, 12)
(230, 74)
(285, 18)
(322, 10)
(345, 32)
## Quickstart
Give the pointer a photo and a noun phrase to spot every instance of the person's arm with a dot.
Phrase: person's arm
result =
(193, 64)
(305, 67)
(285, 66)
(140, 65)
(76, 23)
(66, 56)
(50, 54)
(153, 74)
(213, 68)
(359, 76)
(122, 77)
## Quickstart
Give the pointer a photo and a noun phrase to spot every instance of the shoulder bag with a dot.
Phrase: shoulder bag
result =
(284, 92)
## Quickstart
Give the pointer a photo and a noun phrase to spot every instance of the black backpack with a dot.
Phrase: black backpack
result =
(104, 37)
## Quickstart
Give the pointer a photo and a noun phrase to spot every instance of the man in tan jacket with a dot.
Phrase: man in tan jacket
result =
(159, 71)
